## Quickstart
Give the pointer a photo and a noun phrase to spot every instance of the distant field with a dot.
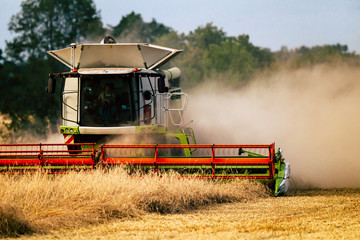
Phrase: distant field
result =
(114, 205)
(307, 214)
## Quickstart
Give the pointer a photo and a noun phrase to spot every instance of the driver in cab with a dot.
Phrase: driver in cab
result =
(107, 99)
(107, 96)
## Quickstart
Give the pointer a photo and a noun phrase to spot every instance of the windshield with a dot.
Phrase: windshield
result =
(107, 101)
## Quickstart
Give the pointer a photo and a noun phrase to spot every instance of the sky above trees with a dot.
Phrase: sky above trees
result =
(270, 24)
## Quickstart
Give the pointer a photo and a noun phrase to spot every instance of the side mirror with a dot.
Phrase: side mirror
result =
(51, 85)
(147, 95)
(161, 85)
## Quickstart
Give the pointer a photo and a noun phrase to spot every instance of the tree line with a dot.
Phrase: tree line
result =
(43, 25)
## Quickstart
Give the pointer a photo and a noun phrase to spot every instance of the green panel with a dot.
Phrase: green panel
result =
(69, 130)
(280, 167)
(184, 167)
(252, 154)
(253, 174)
(183, 140)
(150, 129)
(230, 167)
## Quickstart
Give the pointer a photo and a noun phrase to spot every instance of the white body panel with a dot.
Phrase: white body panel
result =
(70, 102)
(119, 55)
(285, 183)
(159, 104)
(99, 64)
(107, 130)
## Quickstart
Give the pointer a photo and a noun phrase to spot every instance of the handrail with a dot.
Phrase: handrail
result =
(184, 103)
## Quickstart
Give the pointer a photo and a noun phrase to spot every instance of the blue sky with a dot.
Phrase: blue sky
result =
(269, 24)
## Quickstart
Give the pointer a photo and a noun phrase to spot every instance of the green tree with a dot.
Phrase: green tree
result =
(132, 28)
(40, 25)
(264, 57)
(208, 52)
(231, 57)
(23, 98)
(202, 37)
(196, 44)
(172, 40)
(329, 54)
(43, 25)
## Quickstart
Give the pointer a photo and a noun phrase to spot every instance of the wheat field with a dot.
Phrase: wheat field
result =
(40, 203)
(114, 205)
(308, 214)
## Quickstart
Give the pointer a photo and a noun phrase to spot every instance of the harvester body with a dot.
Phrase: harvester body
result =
(112, 91)
(118, 108)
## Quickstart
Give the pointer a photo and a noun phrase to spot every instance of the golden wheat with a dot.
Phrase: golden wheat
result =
(79, 199)
(306, 214)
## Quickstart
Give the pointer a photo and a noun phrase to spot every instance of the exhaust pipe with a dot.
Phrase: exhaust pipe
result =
(172, 77)
(172, 73)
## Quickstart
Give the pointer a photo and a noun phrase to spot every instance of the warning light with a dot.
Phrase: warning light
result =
(74, 70)
(135, 70)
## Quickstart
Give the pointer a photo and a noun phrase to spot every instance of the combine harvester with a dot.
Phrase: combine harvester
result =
(115, 93)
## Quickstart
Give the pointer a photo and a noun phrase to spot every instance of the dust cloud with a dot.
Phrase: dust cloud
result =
(311, 114)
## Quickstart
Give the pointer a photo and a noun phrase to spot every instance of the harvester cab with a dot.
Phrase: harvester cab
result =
(116, 91)
(118, 108)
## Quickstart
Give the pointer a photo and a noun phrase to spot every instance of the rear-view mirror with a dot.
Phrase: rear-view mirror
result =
(51, 85)
(161, 85)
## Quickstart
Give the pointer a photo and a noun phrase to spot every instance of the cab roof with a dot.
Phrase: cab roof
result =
(118, 55)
